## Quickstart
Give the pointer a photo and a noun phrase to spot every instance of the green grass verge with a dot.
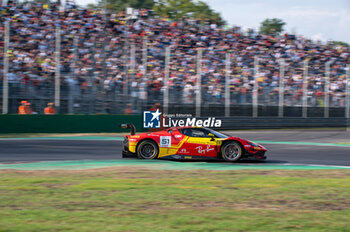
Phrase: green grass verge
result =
(133, 199)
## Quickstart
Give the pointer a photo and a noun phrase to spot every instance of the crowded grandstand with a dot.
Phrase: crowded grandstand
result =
(131, 68)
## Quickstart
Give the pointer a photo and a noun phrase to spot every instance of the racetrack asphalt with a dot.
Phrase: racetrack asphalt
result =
(28, 150)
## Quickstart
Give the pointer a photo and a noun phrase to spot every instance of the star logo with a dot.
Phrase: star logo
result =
(151, 119)
(156, 115)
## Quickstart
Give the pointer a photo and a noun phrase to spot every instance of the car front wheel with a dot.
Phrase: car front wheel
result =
(147, 150)
(231, 151)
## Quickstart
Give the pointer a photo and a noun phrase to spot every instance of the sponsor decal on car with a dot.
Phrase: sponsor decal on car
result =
(184, 151)
(165, 141)
(200, 149)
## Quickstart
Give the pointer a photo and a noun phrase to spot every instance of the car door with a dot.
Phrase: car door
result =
(198, 143)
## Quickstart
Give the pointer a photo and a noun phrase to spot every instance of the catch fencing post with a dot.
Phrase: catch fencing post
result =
(104, 54)
(93, 88)
(281, 89)
(132, 69)
(58, 71)
(104, 43)
(126, 70)
(5, 87)
(71, 88)
(347, 99)
(126, 60)
(144, 55)
(326, 89)
(132, 61)
(305, 88)
(199, 82)
(166, 81)
(227, 84)
(255, 88)
(143, 97)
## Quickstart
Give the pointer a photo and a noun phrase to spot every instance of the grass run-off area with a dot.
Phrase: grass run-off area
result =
(138, 199)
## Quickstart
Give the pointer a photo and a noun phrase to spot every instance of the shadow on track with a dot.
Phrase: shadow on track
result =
(223, 162)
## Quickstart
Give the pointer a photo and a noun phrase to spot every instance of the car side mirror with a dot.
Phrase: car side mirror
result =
(211, 136)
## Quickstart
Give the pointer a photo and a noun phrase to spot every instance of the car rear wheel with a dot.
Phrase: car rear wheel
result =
(147, 150)
(231, 151)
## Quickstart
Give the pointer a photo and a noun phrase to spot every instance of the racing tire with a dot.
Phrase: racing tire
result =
(147, 149)
(231, 151)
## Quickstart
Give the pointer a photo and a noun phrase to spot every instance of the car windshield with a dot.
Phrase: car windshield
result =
(217, 134)
(202, 132)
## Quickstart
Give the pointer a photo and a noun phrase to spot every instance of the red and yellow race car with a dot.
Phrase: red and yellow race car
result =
(190, 143)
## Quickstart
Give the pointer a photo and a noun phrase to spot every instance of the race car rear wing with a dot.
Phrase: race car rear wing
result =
(129, 126)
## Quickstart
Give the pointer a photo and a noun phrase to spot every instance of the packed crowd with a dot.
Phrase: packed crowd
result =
(32, 57)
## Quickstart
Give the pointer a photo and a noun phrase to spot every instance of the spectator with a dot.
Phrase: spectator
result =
(128, 109)
(22, 109)
(50, 109)
(29, 109)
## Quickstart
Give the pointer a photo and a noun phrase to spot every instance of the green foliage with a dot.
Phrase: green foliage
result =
(177, 9)
(42, 1)
(173, 9)
(271, 26)
(91, 6)
(121, 5)
(339, 44)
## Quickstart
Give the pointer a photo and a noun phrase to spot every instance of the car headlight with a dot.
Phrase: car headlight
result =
(253, 144)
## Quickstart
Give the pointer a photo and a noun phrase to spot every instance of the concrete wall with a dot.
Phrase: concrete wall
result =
(110, 123)
(67, 123)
